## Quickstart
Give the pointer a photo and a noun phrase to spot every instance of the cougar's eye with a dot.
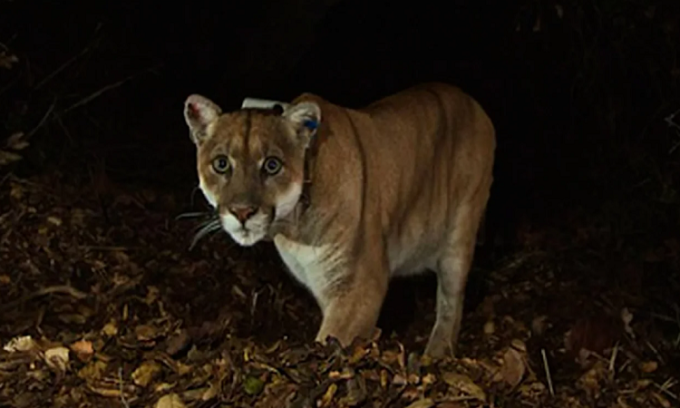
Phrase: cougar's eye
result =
(221, 164)
(272, 165)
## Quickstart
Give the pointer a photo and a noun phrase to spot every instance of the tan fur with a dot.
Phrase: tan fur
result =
(397, 188)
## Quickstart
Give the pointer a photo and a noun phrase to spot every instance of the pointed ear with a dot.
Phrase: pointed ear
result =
(305, 118)
(199, 112)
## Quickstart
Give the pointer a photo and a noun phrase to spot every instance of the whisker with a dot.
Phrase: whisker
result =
(191, 215)
(213, 218)
(204, 230)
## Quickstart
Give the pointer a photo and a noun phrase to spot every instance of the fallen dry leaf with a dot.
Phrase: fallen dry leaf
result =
(21, 343)
(110, 329)
(450, 404)
(8, 157)
(327, 397)
(590, 381)
(538, 325)
(661, 400)
(170, 401)
(57, 358)
(145, 373)
(513, 368)
(17, 141)
(7, 60)
(648, 366)
(423, 403)
(93, 370)
(464, 384)
(83, 349)
(146, 332)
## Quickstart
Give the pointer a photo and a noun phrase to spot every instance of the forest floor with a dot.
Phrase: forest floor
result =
(105, 305)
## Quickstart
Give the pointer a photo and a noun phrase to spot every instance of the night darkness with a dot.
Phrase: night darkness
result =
(582, 225)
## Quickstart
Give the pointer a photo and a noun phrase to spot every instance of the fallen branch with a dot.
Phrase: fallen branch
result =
(547, 372)
(100, 92)
(65, 65)
(65, 289)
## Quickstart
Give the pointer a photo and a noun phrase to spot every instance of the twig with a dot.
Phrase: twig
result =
(68, 62)
(96, 95)
(665, 386)
(104, 248)
(612, 360)
(102, 91)
(547, 372)
(42, 120)
(61, 68)
(65, 289)
(5, 178)
(120, 387)
(670, 119)
(658, 355)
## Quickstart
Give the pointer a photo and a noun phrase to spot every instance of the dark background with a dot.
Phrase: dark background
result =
(578, 90)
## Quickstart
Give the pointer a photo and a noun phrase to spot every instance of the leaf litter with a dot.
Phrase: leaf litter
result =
(110, 311)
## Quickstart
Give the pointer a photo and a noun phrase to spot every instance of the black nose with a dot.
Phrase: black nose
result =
(243, 212)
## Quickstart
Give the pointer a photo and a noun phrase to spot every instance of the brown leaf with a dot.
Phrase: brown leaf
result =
(7, 60)
(145, 373)
(93, 371)
(590, 381)
(177, 342)
(513, 368)
(83, 349)
(328, 396)
(648, 366)
(146, 332)
(17, 141)
(57, 358)
(356, 391)
(8, 157)
(661, 400)
(110, 329)
(423, 403)
(170, 401)
(593, 334)
(450, 404)
(21, 343)
(464, 384)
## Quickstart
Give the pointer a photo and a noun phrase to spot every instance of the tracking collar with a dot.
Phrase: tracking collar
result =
(266, 104)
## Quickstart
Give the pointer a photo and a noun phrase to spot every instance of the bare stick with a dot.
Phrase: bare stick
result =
(665, 386)
(63, 66)
(42, 120)
(670, 119)
(96, 94)
(65, 289)
(120, 387)
(612, 361)
(658, 355)
(547, 372)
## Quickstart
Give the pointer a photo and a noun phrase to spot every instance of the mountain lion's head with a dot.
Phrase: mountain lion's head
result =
(250, 162)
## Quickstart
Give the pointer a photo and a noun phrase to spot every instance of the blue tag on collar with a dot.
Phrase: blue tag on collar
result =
(311, 124)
